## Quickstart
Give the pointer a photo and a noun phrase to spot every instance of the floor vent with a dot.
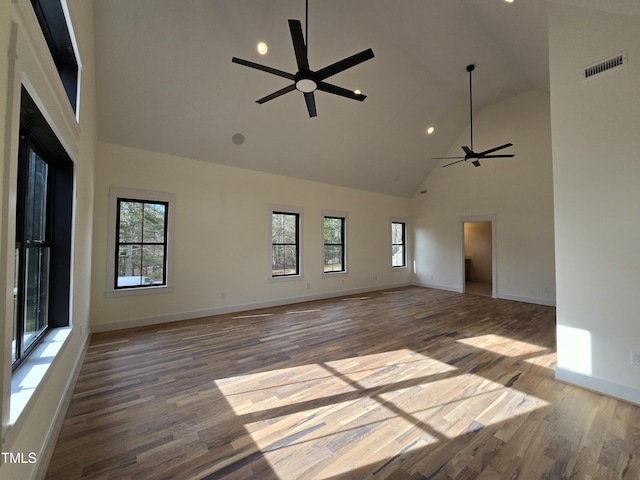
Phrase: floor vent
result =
(610, 63)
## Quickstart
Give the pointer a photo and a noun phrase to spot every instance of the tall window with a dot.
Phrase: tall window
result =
(285, 244)
(41, 289)
(334, 244)
(398, 244)
(141, 245)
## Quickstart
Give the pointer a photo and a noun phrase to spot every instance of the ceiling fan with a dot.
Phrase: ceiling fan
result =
(469, 154)
(306, 80)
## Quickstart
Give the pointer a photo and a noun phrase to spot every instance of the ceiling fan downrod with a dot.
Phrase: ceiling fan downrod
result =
(470, 68)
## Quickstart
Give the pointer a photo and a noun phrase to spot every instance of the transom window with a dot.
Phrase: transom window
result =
(57, 33)
(334, 244)
(398, 244)
(141, 245)
(285, 244)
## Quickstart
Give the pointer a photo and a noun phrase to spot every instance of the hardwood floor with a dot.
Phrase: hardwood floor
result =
(478, 288)
(399, 385)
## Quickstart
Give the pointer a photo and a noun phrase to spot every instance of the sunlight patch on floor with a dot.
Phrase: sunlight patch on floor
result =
(399, 400)
(502, 345)
(281, 388)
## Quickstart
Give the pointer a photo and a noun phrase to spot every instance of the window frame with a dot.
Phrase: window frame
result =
(37, 138)
(299, 213)
(404, 244)
(341, 216)
(142, 243)
(116, 194)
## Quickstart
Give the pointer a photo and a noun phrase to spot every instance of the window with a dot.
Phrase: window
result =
(53, 22)
(141, 246)
(285, 244)
(398, 244)
(44, 204)
(140, 242)
(334, 244)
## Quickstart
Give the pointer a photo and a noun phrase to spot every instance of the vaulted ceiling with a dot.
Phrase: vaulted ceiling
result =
(166, 82)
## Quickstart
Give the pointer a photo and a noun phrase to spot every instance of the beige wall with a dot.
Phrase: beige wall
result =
(517, 191)
(596, 167)
(222, 238)
(25, 59)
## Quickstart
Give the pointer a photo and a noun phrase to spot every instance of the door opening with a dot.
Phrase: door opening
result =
(478, 256)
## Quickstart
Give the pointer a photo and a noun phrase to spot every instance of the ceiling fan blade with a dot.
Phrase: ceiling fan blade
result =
(264, 68)
(282, 91)
(496, 149)
(468, 151)
(453, 163)
(344, 64)
(343, 92)
(446, 158)
(298, 45)
(496, 156)
(311, 104)
(476, 163)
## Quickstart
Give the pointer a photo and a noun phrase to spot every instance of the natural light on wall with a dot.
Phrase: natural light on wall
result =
(574, 349)
(296, 417)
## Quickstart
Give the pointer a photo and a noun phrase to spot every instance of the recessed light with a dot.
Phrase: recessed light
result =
(262, 48)
(357, 92)
(430, 130)
(508, 1)
(237, 138)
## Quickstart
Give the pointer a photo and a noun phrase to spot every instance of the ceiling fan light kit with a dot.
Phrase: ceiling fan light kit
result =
(306, 80)
(469, 153)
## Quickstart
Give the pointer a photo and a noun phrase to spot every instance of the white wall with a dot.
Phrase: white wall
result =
(222, 238)
(518, 191)
(596, 169)
(25, 60)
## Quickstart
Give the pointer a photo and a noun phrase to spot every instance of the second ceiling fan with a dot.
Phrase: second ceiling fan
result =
(306, 80)
(469, 153)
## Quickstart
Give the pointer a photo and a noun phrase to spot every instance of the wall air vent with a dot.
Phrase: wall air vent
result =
(611, 63)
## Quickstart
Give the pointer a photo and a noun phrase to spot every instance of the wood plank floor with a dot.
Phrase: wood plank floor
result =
(403, 384)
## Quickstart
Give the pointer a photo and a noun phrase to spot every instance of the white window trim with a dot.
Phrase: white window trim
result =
(41, 51)
(114, 194)
(285, 209)
(339, 214)
(406, 242)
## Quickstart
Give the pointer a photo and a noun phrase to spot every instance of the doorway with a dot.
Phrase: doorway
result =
(478, 256)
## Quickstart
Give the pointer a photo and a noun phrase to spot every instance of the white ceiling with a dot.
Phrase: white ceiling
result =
(166, 82)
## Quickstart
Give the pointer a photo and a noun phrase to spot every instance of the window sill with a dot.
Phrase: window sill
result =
(285, 278)
(27, 377)
(125, 292)
(395, 269)
(333, 274)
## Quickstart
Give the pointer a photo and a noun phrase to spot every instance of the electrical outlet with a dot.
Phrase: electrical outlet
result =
(635, 357)
(223, 295)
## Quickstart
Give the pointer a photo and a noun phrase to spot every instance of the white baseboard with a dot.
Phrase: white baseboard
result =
(515, 298)
(538, 301)
(174, 317)
(599, 385)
